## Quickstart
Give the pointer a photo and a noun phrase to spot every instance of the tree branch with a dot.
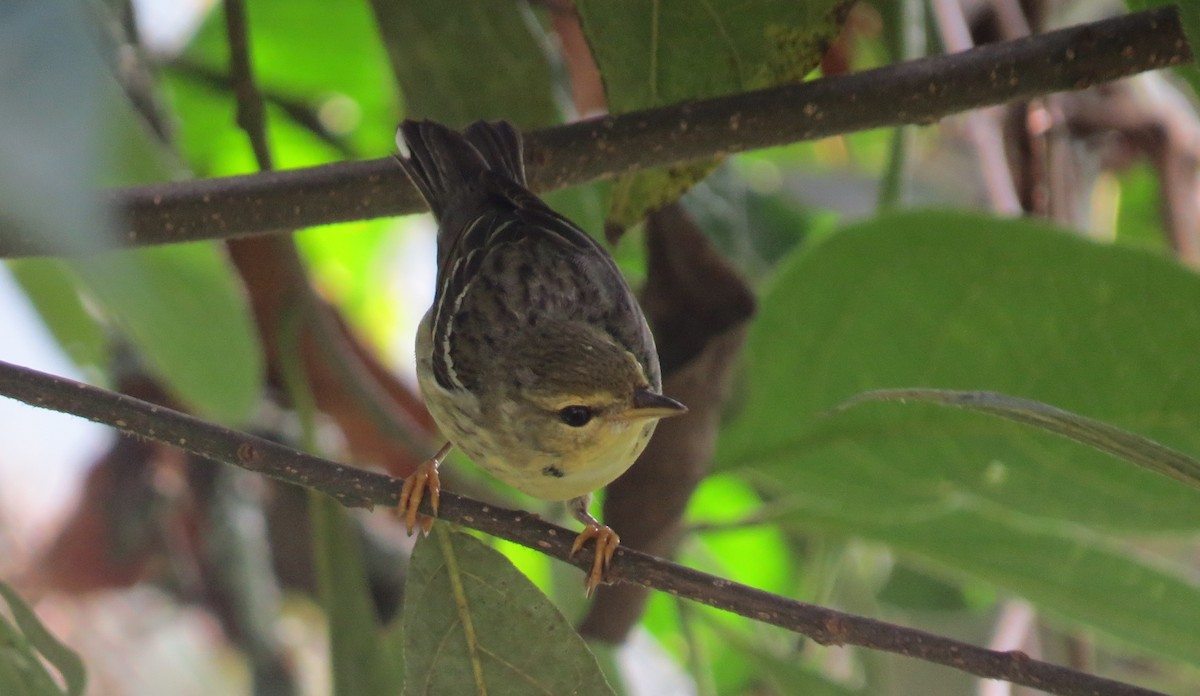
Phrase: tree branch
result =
(356, 487)
(920, 91)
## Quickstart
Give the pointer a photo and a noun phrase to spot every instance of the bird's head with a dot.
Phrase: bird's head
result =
(576, 396)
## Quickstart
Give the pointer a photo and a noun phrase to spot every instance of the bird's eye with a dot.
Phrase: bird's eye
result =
(576, 416)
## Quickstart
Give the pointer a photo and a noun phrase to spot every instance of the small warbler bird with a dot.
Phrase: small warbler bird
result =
(535, 359)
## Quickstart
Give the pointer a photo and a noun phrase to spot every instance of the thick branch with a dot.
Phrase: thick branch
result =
(355, 487)
(920, 91)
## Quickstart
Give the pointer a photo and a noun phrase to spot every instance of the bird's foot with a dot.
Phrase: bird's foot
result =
(424, 479)
(607, 542)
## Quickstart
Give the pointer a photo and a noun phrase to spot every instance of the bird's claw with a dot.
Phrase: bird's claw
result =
(607, 542)
(425, 478)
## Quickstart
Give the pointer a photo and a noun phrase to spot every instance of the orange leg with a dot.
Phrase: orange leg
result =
(607, 542)
(425, 478)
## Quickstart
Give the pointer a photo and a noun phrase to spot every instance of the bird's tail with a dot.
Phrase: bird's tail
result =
(448, 167)
(500, 145)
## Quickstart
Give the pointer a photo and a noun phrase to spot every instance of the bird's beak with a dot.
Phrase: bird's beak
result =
(647, 404)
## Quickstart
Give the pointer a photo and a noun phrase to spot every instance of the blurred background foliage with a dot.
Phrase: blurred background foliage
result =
(878, 259)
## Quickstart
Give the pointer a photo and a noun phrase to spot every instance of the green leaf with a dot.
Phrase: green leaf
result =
(360, 654)
(955, 301)
(1067, 574)
(391, 648)
(54, 291)
(461, 60)
(21, 669)
(475, 625)
(1119, 443)
(668, 51)
(635, 195)
(34, 637)
(50, 116)
(182, 307)
(65, 125)
(751, 229)
(910, 589)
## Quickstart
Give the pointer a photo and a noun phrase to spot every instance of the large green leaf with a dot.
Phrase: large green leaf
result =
(462, 60)
(65, 126)
(51, 118)
(956, 301)
(1067, 573)
(51, 113)
(473, 624)
(657, 52)
(1131, 447)
(666, 51)
(182, 308)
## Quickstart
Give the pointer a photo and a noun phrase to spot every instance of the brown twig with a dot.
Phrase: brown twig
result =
(299, 111)
(126, 56)
(920, 91)
(355, 487)
(250, 113)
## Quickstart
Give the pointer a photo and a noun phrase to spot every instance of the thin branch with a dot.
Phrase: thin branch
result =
(126, 57)
(356, 487)
(251, 116)
(920, 91)
(300, 112)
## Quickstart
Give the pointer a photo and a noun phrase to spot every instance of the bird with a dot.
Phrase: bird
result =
(535, 359)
